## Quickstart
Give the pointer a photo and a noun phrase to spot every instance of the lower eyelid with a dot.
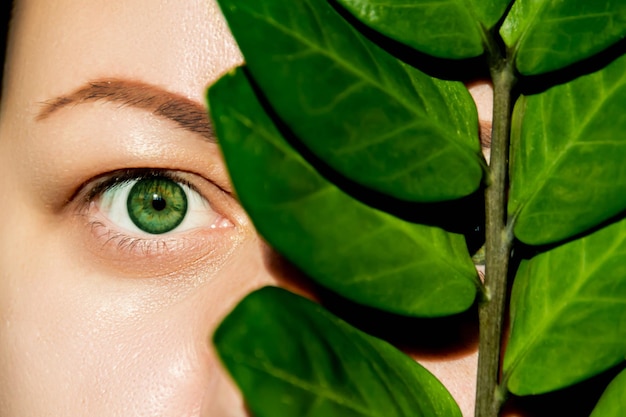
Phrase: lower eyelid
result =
(138, 257)
(136, 245)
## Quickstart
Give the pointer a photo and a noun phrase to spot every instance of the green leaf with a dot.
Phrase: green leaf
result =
(489, 12)
(443, 28)
(371, 117)
(291, 358)
(568, 313)
(362, 253)
(546, 35)
(613, 400)
(568, 146)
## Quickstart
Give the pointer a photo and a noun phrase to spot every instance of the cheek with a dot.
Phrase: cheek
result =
(78, 357)
(74, 341)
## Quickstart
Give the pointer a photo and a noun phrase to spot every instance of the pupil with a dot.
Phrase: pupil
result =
(158, 203)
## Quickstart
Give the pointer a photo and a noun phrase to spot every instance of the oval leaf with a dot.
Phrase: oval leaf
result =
(548, 35)
(568, 313)
(291, 358)
(568, 149)
(489, 12)
(374, 119)
(362, 253)
(442, 28)
(613, 400)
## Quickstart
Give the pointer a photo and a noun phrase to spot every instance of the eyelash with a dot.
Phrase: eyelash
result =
(144, 245)
(117, 178)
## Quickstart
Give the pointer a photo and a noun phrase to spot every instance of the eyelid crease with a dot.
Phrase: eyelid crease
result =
(187, 113)
(116, 178)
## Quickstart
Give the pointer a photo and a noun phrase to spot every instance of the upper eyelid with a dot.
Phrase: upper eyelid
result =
(96, 186)
(133, 140)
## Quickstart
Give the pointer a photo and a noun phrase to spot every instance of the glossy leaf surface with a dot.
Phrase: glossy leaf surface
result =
(613, 400)
(374, 119)
(488, 12)
(547, 35)
(420, 23)
(568, 313)
(568, 146)
(291, 358)
(362, 253)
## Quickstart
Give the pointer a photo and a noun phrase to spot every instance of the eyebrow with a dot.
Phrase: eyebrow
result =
(186, 113)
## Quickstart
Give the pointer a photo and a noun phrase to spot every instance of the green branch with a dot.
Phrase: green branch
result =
(489, 396)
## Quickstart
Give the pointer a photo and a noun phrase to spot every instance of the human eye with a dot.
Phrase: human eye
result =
(155, 203)
(152, 211)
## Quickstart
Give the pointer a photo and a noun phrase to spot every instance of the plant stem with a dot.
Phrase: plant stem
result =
(498, 241)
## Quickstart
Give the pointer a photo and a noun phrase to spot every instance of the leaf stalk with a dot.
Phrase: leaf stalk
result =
(498, 241)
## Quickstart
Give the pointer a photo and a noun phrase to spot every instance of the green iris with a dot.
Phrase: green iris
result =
(156, 205)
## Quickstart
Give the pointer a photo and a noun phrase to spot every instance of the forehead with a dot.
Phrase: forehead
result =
(57, 45)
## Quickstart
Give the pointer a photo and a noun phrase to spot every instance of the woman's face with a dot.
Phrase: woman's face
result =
(97, 317)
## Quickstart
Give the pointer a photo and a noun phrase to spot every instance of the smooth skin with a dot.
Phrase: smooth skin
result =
(96, 318)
